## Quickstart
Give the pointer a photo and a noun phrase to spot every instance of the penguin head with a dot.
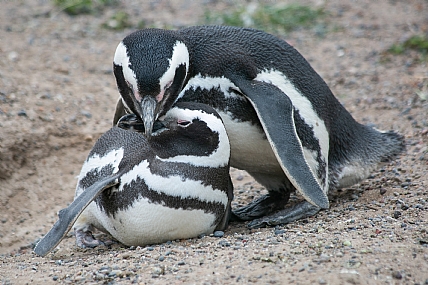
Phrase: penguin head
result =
(192, 130)
(150, 67)
(134, 123)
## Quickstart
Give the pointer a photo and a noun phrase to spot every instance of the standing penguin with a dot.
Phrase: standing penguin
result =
(285, 126)
(142, 191)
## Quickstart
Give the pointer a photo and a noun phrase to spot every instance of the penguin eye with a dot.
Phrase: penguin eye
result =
(183, 123)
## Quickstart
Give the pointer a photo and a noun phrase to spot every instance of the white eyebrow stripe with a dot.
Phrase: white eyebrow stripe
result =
(180, 55)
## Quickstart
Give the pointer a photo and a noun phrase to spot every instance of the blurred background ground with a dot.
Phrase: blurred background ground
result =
(57, 95)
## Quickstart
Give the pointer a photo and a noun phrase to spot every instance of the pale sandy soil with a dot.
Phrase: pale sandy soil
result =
(57, 95)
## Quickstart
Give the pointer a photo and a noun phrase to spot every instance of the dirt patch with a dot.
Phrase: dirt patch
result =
(57, 95)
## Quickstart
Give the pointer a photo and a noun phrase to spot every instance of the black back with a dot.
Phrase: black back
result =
(242, 53)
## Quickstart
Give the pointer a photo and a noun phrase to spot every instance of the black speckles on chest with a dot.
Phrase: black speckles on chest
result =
(95, 175)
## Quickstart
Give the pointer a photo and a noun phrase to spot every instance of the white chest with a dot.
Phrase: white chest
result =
(249, 148)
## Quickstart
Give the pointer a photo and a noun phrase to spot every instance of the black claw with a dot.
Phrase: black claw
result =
(255, 224)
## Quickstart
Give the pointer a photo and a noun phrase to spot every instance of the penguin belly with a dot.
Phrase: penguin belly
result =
(147, 223)
(250, 150)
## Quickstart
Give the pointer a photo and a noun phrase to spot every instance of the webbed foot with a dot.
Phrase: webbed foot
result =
(285, 216)
(85, 239)
(263, 206)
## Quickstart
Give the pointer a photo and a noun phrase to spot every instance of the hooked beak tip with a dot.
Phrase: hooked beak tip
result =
(147, 134)
(148, 109)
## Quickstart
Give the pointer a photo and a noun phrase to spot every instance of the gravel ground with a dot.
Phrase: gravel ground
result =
(57, 95)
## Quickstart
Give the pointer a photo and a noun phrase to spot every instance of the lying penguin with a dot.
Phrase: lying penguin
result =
(285, 126)
(175, 185)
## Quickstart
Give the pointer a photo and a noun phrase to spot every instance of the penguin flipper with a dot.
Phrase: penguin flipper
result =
(222, 225)
(69, 215)
(119, 112)
(299, 211)
(275, 112)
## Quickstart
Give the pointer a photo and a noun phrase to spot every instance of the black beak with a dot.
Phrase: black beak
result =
(147, 113)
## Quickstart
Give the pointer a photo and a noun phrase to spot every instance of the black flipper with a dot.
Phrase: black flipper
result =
(275, 112)
(299, 211)
(69, 215)
(228, 213)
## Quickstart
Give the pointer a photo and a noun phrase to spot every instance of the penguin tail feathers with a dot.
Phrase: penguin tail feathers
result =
(393, 145)
(364, 153)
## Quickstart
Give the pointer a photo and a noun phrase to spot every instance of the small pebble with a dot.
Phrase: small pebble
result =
(404, 207)
(116, 273)
(79, 278)
(13, 56)
(324, 258)
(46, 95)
(22, 113)
(181, 263)
(224, 243)
(279, 232)
(55, 278)
(105, 269)
(86, 114)
(396, 214)
(347, 243)
(397, 275)
(218, 234)
(419, 206)
(382, 191)
(158, 271)
(161, 258)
